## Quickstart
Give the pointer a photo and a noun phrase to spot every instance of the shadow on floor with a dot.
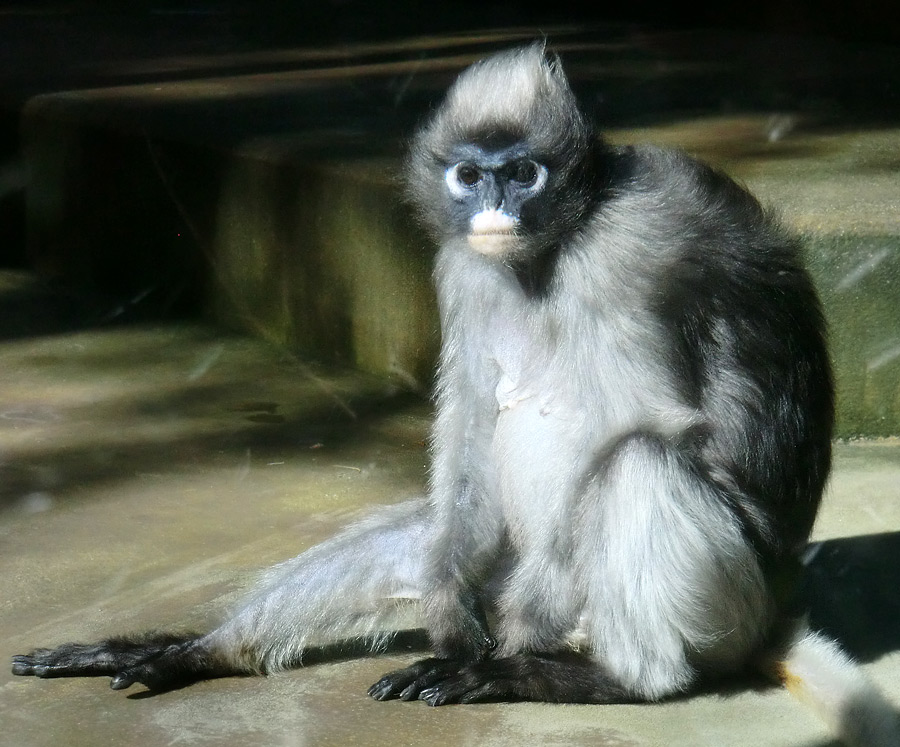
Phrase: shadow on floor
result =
(850, 589)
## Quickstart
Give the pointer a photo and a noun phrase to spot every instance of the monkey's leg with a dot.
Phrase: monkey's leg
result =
(673, 586)
(463, 555)
(458, 567)
(457, 626)
(349, 585)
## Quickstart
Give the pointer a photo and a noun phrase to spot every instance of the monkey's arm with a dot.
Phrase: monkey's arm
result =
(468, 531)
(350, 585)
(468, 535)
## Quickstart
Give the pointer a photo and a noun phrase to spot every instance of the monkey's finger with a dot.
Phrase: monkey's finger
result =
(464, 687)
(485, 692)
(437, 695)
(467, 688)
(408, 682)
(382, 690)
(399, 684)
(429, 681)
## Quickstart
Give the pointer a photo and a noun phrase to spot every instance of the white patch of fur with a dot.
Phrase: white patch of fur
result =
(492, 221)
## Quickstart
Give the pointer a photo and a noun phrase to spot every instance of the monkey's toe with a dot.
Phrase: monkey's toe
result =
(23, 665)
(399, 684)
(43, 663)
(437, 695)
(463, 687)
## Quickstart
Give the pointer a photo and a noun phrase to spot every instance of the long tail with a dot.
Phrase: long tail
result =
(353, 585)
(818, 673)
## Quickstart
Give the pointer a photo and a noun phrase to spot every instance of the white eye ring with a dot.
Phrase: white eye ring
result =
(540, 178)
(456, 186)
(543, 173)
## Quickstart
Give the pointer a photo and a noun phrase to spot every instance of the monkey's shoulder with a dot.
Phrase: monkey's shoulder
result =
(683, 207)
(688, 184)
(678, 234)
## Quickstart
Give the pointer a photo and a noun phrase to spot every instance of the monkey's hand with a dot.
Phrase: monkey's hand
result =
(552, 678)
(160, 661)
(411, 682)
(444, 681)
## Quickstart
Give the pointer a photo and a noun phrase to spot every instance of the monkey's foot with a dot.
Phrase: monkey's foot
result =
(160, 661)
(563, 678)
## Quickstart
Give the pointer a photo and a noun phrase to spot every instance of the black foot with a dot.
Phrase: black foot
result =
(408, 683)
(563, 678)
(159, 661)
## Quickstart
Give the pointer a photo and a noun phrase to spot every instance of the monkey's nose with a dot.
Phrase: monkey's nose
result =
(492, 193)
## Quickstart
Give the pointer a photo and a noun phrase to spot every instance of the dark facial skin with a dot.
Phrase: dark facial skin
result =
(508, 180)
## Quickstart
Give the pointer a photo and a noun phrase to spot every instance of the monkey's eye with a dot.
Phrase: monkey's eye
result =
(467, 174)
(462, 178)
(525, 172)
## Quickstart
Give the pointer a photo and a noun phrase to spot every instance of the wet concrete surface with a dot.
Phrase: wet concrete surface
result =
(147, 473)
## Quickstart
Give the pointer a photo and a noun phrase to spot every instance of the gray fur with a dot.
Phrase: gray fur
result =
(329, 593)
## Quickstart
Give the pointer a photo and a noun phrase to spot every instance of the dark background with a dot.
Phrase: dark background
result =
(838, 63)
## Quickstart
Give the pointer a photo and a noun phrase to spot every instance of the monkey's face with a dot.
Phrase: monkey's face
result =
(494, 197)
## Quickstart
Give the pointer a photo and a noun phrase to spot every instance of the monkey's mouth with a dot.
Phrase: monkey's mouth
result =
(492, 232)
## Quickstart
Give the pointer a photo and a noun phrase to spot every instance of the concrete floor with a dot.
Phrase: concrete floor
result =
(147, 473)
